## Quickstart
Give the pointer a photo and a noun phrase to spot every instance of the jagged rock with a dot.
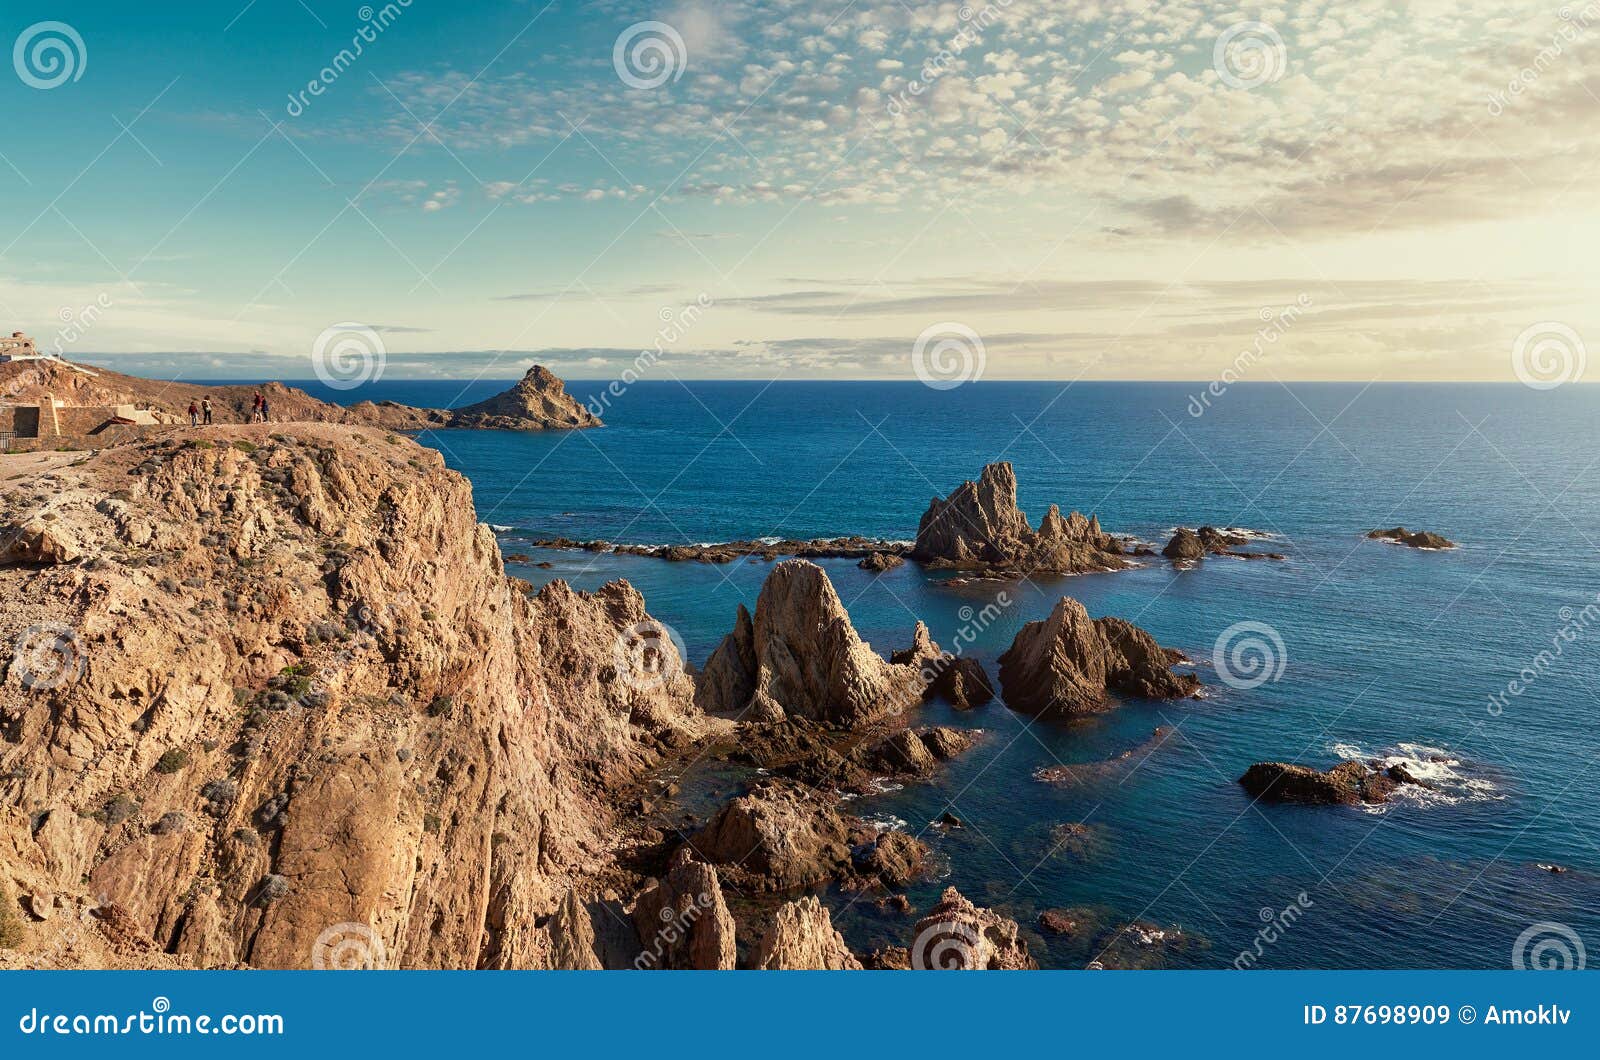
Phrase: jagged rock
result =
(802, 937)
(801, 651)
(1348, 783)
(1412, 539)
(538, 402)
(878, 562)
(682, 920)
(958, 679)
(956, 935)
(777, 838)
(1069, 662)
(1184, 546)
(892, 858)
(979, 527)
(571, 931)
(337, 573)
(916, 752)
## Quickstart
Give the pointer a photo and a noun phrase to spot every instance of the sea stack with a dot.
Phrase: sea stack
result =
(980, 528)
(1068, 664)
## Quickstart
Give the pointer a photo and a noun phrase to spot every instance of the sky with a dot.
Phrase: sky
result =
(1109, 189)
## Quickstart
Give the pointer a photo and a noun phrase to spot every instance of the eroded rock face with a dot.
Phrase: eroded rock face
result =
(286, 685)
(1348, 783)
(979, 527)
(1184, 546)
(802, 937)
(1412, 538)
(682, 920)
(801, 653)
(1068, 663)
(957, 935)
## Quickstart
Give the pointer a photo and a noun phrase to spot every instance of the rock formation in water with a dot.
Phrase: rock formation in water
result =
(539, 400)
(980, 528)
(1411, 539)
(960, 680)
(957, 935)
(1068, 663)
(1188, 545)
(777, 837)
(801, 654)
(1348, 783)
(802, 938)
(272, 683)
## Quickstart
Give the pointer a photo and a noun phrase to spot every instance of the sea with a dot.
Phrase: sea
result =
(1477, 667)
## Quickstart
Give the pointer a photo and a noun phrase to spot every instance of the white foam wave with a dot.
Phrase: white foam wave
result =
(1443, 778)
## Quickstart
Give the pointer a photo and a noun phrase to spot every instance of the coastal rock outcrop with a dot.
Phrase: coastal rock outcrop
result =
(539, 400)
(777, 838)
(682, 920)
(1187, 545)
(1412, 538)
(957, 935)
(1068, 663)
(960, 680)
(285, 685)
(801, 652)
(802, 937)
(1348, 783)
(980, 528)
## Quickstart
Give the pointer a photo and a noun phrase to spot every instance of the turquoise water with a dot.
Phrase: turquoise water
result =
(1383, 646)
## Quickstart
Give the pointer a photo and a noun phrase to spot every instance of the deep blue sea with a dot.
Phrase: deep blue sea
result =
(1386, 650)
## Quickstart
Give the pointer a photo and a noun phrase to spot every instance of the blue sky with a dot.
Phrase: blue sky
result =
(1093, 190)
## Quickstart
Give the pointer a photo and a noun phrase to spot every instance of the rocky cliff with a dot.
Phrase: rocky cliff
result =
(1069, 663)
(538, 402)
(268, 698)
(980, 528)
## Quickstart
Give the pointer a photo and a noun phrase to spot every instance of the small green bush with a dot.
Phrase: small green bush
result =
(172, 760)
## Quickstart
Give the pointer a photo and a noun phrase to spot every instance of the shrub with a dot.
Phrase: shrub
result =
(244, 446)
(170, 823)
(431, 823)
(441, 707)
(117, 809)
(172, 760)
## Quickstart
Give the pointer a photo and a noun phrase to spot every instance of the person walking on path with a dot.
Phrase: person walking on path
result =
(205, 411)
(256, 404)
(263, 410)
(194, 414)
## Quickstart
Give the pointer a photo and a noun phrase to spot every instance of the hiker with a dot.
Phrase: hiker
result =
(205, 411)
(256, 404)
(194, 414)
(263, 410)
